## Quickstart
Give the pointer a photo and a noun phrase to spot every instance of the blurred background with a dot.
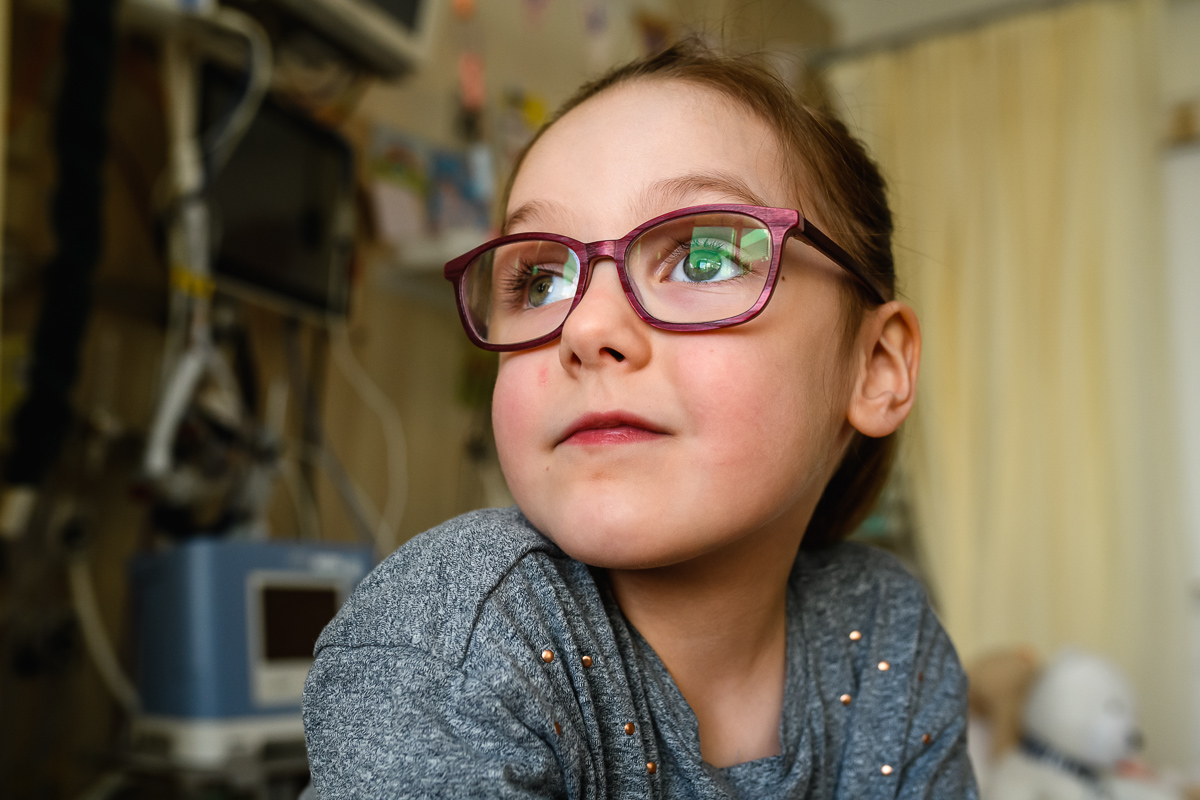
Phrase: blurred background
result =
(232, 378)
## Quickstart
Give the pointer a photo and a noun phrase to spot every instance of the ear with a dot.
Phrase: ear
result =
(889, 355)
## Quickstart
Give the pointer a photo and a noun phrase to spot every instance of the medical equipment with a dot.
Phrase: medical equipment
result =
(391, 37)
(224, 632)
(282, 208)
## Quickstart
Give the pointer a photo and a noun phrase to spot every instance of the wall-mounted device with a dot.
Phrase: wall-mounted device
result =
(282, 207)
(388, 37)
(391, 37)
(224, 637)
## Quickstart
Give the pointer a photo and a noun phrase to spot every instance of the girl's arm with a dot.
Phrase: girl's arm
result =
(394, 722)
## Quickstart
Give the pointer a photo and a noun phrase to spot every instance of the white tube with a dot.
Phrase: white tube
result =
(303, 506)
(259, 69)
(179, 391)
(395, 445)
(83, 597)
(180, 97)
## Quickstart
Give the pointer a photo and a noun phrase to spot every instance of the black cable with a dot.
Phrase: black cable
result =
(81, 144)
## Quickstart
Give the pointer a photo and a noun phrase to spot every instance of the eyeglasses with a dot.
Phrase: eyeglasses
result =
(695, 269)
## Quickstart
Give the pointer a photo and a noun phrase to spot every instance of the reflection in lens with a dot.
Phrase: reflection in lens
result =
(521, 291)
(700, 268)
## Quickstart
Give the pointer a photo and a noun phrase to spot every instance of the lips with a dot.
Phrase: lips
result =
(613, 427)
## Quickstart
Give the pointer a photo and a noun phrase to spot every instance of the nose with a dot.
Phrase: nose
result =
(604, 329)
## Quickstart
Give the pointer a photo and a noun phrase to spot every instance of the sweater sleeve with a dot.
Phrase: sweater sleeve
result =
(395, 722)
(937, 765)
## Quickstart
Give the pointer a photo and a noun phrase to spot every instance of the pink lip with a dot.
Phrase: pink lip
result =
(613, 427)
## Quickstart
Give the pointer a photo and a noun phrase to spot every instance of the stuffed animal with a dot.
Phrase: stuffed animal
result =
(1079, 724)
(999, 686)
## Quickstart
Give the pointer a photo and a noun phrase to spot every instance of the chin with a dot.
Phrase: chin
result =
(624, 549)
(618, 536)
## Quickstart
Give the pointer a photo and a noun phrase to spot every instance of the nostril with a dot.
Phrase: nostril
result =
(616, 355)
(1137, 741)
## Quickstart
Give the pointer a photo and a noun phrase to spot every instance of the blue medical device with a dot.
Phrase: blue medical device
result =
(224, 636)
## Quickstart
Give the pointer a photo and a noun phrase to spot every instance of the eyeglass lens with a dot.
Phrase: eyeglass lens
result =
(692, 269)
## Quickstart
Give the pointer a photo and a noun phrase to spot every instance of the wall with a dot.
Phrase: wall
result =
(1182, 171)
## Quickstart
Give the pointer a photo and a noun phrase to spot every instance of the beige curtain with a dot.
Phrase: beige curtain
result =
(1023, 163)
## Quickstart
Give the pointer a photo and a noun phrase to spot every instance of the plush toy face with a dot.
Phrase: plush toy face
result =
(1083, 707)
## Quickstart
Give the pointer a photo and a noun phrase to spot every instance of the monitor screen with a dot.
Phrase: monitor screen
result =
(403, 11)
(293, 618)
(282, 207)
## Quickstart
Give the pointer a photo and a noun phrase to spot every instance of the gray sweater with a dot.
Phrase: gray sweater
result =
(480, 661)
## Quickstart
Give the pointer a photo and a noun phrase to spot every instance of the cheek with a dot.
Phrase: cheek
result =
(761, 409)
(517, 384)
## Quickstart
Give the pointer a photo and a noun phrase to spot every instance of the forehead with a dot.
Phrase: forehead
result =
(642, 149)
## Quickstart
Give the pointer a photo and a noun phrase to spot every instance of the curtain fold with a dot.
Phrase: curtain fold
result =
(1023, 164)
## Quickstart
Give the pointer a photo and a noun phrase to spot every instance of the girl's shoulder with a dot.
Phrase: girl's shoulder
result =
(859, 606)
(899, 690)
(429, 593)
(854, 573)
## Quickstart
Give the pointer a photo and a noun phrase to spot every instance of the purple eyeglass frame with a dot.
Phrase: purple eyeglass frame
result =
(783, 223)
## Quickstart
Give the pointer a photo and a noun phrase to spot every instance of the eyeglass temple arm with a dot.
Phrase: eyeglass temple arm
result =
(813, 235)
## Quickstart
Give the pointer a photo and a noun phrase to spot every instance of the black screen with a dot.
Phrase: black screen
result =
(282, 206)
(293, 619)
(403, 11)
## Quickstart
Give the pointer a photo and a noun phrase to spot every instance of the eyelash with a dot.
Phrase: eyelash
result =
(516, 285)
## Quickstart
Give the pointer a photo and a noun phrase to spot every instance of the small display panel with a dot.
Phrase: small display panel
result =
(282, 208)
(293, 618)
(403, 11)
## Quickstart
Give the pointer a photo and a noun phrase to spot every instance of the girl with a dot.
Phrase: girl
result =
(695, 380)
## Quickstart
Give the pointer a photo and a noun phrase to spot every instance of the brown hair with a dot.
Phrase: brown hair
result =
(846, 196)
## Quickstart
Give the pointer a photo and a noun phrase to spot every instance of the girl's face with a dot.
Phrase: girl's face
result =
(690, 442)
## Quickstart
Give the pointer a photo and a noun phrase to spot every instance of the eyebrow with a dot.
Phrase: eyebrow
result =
(533, 209)
(660, 197)
(672, 193)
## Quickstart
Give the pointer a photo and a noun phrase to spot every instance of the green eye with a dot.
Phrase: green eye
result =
(702, 265)
(540, 289)
(545, 287)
